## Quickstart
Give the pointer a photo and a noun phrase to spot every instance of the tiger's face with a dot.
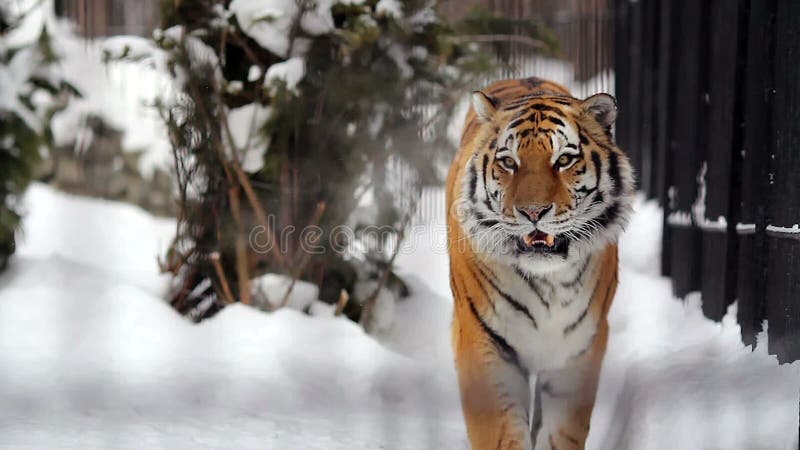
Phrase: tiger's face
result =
(545, 184)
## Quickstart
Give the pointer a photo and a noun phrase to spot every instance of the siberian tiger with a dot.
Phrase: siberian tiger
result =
(537, 195)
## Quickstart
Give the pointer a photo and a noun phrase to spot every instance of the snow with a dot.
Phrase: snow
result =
(795, 229)
(680, 218)
(640, 247)
(745, 228)
(245, 123)
(269, 22)
(14, 78)
(720, 224)
(103, 237)
(301, 296)
(389, 8)
(254, 73)
(290, 72)
(92, 357)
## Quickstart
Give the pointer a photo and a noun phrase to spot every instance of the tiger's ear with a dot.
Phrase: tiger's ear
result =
(484, 106)
(602, 107)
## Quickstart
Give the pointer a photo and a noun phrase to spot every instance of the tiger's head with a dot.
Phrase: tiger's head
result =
(545, 184)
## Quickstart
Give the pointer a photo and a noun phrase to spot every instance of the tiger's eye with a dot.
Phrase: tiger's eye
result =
(563, 160)
(508, 162)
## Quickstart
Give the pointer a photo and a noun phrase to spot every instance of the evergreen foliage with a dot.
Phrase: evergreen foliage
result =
(360, 104)
(32, 94)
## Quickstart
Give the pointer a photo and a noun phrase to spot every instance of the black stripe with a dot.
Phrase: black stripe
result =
(571, 146)
(611, 214)
(473, 181)
(613, 173)
(598, 166)
(571, 327)
(519, 114)
(487, 201)
(599, 198)
(533, 82)
(578, 277)
(506, 351)
(488, 223)
(519, 101)
(483, 289)
(516, 123)
(542, 107)
(589, 344)
(545, 280)
(584, 139)
(493, 143)
(532, 285)
(512, 301)
(555, 120)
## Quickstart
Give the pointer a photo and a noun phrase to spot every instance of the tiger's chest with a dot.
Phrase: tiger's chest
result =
(548, 321)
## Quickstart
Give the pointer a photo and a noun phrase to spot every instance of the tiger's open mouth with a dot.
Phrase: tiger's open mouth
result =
(541, 242)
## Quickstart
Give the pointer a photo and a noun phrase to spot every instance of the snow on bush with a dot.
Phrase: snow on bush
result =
(120, 92)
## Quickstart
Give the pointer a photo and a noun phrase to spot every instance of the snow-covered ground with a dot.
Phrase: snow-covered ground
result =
(91, 356)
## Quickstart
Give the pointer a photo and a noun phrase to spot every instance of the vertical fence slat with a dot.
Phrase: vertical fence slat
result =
(635, 84)
(648, 36)
(756, 150)
(667, 43)
(783, 282)
(622, 77)
(719, 217)
(687, 142)
(755, 158)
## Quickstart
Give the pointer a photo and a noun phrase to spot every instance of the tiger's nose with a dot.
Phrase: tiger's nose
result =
(534, 213)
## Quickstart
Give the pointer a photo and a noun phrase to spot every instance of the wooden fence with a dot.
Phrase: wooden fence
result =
(709, 99)
(95, 18)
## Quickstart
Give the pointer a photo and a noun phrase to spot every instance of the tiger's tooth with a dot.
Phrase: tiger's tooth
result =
(550, 240)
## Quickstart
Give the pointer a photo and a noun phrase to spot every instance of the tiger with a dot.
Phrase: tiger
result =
(538, 194)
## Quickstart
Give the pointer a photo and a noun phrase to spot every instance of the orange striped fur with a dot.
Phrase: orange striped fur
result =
(533, 162)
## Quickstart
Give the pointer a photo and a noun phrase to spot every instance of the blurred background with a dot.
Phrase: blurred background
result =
(222, 222)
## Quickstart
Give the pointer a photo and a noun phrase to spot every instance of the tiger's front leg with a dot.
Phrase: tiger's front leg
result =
(566, 398)
(495, 394)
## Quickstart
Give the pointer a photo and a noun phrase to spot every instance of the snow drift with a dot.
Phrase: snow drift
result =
(92, 357)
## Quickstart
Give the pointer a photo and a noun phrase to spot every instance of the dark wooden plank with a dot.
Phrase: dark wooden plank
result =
(783, 278)
(647, 39)
(634, 86)
(717, 212)
(756, 149)
(665, 104)
(687, 141)
(624, 70)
